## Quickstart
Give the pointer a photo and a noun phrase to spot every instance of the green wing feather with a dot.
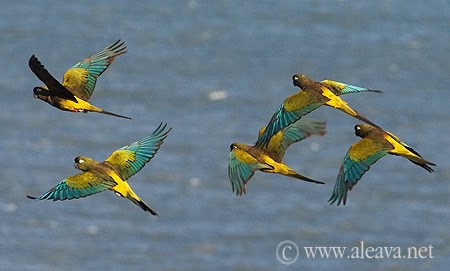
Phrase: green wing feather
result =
(357, 161)
(293, 133)
(302, 129)
(339, 88)
(240, 170)
(94, 66)
(290, 111)
(129, 159)
(77, 186)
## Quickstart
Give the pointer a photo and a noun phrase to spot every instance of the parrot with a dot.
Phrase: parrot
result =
(112, 173)
(78, 83)
(311, 96)
(244, 160)
(375, 144)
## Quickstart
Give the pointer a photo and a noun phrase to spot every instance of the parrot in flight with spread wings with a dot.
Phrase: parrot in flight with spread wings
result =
(78, 83)
(244, 160)
(311, 96)
(375, 144)
(110, 174)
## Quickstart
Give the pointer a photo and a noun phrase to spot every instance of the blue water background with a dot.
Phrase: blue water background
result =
(216, 71)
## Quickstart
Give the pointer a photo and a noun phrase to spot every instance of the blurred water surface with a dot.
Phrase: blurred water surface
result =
(216, 71)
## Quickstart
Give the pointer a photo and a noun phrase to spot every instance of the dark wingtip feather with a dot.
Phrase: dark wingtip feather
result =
(33, 62)
(119, 47)
(333, 199)
(160, 130)
(30, 197)
(242, 192)
(338, 198)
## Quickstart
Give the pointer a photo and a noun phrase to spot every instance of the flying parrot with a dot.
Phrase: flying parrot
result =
(112, 173)
(244, 160)
(375, 144)
(311, 96)
(78, 83)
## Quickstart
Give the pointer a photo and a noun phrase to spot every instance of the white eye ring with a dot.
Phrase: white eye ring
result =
(80, 161)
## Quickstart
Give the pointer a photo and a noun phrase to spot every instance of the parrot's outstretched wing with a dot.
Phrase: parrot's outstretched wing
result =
(293, 133)
(77, 186)
(290, 111)
(129, 159)
(55, 88)
(241, 167)
(82, 77)
(339, 88)
(357, 161)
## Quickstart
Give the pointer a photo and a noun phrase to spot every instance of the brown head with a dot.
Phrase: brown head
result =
(237, 146)
(363, 130)
(83, 163)
(243, 147)
(233, 146)
(42, 93)
(302, 81)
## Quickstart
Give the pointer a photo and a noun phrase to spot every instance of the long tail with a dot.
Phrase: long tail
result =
(113, 114)
(340, 104)
(93, 108)
(292, 173)
(136, 200)
(419, 159)
(424, 164)
(352, 112)
(374, 90)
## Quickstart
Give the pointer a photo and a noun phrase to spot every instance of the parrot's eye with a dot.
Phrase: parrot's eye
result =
(37, 90)
(232, 146)
(357, 127)
(80, 161)
(295, 78)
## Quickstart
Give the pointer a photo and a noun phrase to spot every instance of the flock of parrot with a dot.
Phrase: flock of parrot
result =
(73, 95)
(287, 126)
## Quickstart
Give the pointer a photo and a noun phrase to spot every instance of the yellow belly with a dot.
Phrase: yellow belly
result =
(80, 106)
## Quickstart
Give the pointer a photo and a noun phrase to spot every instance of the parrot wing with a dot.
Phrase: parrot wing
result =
(82, 77)
(77, 186)
(293, 133)
(241, 167)
(339, 88)
(129, 159)
(55, 88)
(357, 161)
(290, 111)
